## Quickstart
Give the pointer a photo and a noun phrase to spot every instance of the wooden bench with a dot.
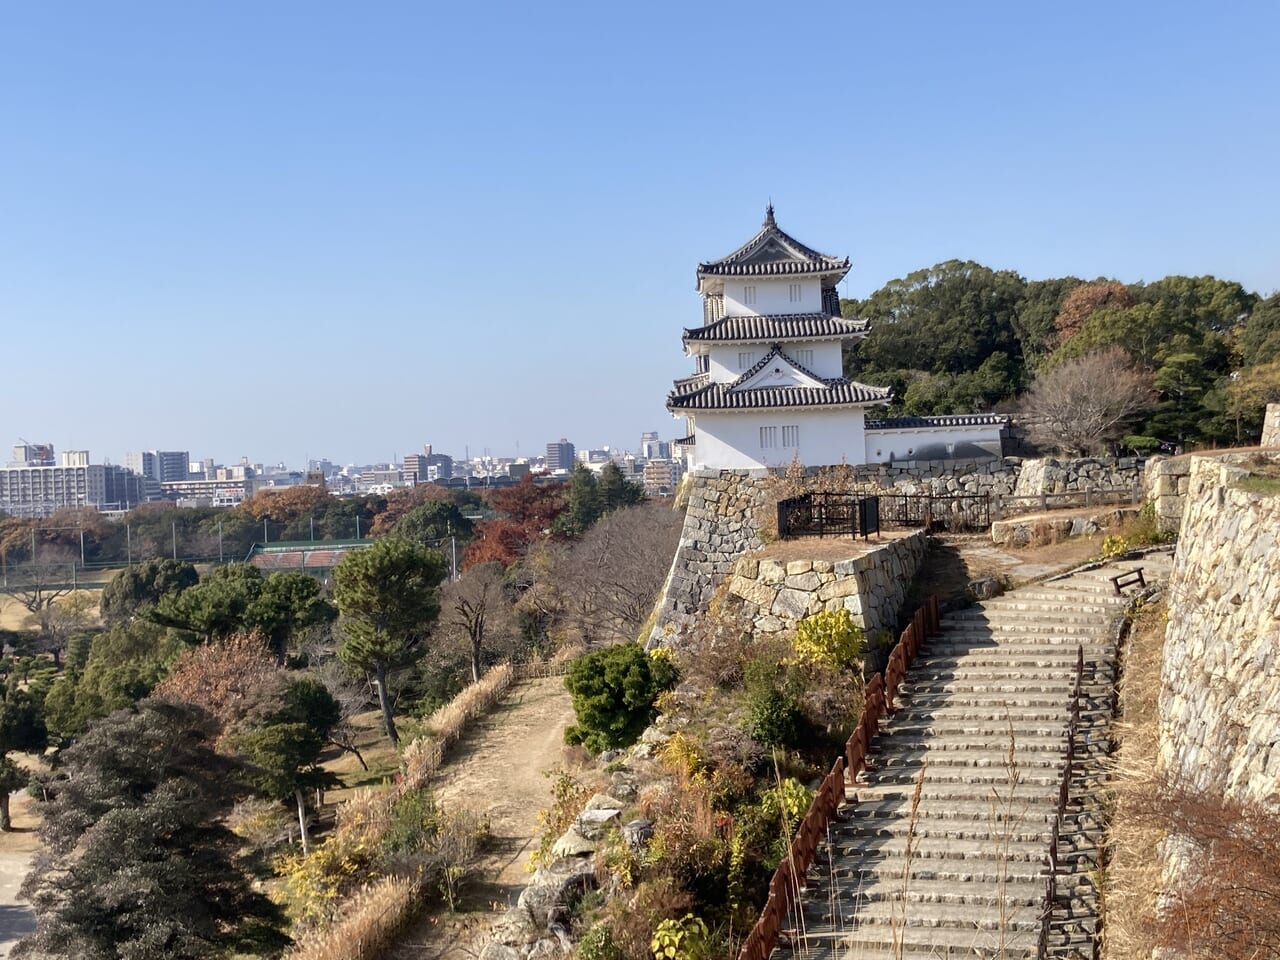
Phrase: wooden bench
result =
(1128, 579)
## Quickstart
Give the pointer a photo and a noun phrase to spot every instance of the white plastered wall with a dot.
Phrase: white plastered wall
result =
(728, 440)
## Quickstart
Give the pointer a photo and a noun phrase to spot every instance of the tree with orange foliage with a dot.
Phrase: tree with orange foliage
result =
(1086, 300)
(530, 512)
(404, 500)
(285, 505)
(229, 677)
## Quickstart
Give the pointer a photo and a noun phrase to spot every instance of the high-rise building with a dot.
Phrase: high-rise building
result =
(38, 490)
(427, 466)
(163, 466)
(560, 456)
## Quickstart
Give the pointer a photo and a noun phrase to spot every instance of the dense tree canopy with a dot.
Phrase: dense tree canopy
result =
(135, 858)
(959, 337)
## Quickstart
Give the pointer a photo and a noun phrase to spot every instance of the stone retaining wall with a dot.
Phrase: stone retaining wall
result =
(1271, 426)
(1029, 531)
(728, 508)
(1220, 678)
(872, 587)
(1164, 483)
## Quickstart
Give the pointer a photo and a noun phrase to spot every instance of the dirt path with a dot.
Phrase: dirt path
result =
(497, 770)
(16, 851)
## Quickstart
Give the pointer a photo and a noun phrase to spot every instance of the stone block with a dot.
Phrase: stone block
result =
(771, 571)
(838, 589)
(796, 567)
(761, 594)
(792, 604)
(807, 581)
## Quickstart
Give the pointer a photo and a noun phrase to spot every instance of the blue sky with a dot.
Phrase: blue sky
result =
(340, 230)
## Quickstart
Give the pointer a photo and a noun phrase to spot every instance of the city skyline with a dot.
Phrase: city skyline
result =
(316, 231)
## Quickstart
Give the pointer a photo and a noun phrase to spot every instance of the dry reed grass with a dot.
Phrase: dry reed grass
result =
(369, 920)
(370, 923)
(1133, 873)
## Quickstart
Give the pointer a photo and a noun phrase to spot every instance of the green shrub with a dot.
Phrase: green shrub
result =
(829, 637)
(597, 944)
(774, 717)
(683, 939)
(614, 690)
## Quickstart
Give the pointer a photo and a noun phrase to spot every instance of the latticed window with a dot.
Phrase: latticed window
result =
(749, 295)
(768, 438)
(791, 436)
(804, 358)
(745, 359)
(797, 293)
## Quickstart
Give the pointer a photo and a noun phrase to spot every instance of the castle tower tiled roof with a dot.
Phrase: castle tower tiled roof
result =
(773, 252)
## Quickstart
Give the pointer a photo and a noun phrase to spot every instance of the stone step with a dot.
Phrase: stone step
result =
(1066, 600)
(1097, 617)
(955, 645)
(937, 906)
(978, 827)
(943, 740)
(1018, 714)
(1024, 888)
(968, 754)
(880, 942)
(944, 734)
(961, 686)
(973, 779)
(1027, 628)
(975, 851)
(956, 872)
(1051, 659)
(1031, 698)
(891, 793)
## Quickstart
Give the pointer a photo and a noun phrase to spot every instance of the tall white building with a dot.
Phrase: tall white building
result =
(163, 466)
(768, 383)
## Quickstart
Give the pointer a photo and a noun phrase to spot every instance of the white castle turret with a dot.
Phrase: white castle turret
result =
(769, 384)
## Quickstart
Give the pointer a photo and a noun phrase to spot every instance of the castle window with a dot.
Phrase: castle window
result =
(746, 359)
(804, 358)
(768, 438)
(791, 436)
(797, 293)
(749, 295)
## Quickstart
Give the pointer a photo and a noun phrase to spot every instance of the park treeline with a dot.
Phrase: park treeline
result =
(959, 337)
(429, 514)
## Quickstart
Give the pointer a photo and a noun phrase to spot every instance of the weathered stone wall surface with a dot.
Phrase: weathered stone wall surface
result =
(1026, 531)
(871, 586)
(1073, 476)
(1220, 679)
(722, 521)
(1271, 426)
(1165, 482)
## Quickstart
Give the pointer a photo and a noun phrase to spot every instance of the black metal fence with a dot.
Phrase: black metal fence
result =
(828, 515)
(955, 512)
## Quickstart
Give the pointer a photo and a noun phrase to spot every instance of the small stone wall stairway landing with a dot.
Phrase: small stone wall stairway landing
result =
(940, 848)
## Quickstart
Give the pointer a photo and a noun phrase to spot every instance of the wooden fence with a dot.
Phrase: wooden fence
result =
(791, 876)
(1060, 815)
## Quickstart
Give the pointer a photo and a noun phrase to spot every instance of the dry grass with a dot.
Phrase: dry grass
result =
(1133, 873)
(370, 924)
(14, 616)
(370, 920)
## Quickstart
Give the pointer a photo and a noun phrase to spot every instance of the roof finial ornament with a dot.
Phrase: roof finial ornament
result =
(768, 214)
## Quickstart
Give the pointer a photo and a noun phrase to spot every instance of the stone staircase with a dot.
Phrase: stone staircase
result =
(940, 848)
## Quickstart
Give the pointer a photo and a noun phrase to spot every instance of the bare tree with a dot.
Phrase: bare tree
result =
(608, 581)
(1081, 406)
(477, 611)
(38, 585)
